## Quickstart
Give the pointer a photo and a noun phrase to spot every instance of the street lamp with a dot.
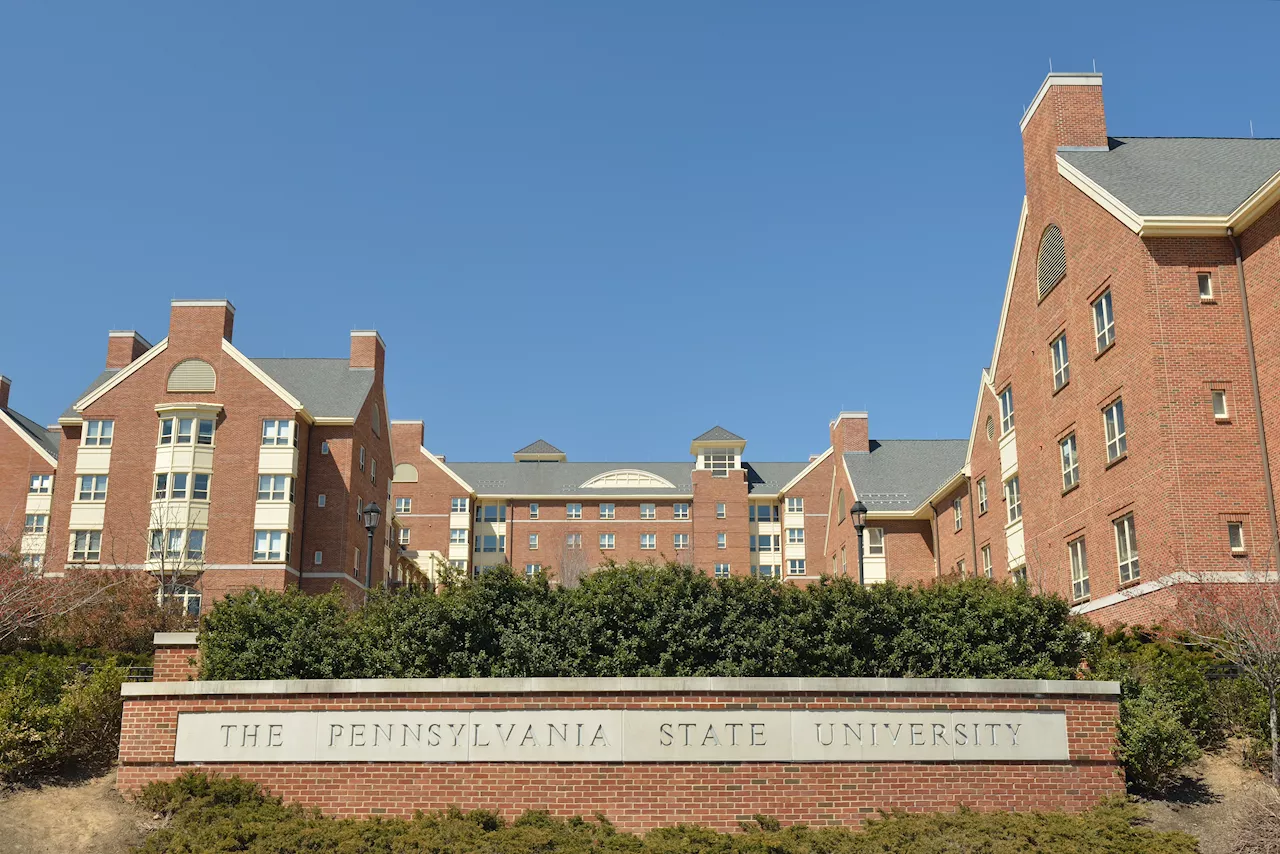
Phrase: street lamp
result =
(858, 513)
(371, 514)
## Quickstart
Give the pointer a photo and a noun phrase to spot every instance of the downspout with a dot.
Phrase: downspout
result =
(1257, 394)
(937, 555)
(973, 529)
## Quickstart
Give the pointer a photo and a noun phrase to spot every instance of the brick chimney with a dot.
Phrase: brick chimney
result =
(5, 382)
(849, 433)
(196, 323)
(368, 350)
(406, 438)
(1066, 112)
(123, 346)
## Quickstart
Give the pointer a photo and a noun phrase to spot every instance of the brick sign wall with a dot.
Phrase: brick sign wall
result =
(645, 752)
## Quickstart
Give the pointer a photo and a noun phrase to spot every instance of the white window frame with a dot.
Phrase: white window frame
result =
(795, 566)
(795, 505)
(982, 495)
(680, 511)
(608, 542)
(35, 523)
(1115, 430)
(86, 546)
(679, 541)
(1061, 362)
(533, 542)
(97, 434)
(198, 492)
(1013, 498)
(1104, 321)
(1007, 421)
(534, 510)
(273, 487)
(875, 542)
(722, 540)
(795, 536)
(179, 484)
(1235, 537)
(362, 457)
(721, 512)
(404, 505)
(1126, 535)
(1204, 284)
(957, 508)
(573, 542)
(40, 484)
(457, 536)
(1078, 557)
(723, 570)
(532, 569)
(271, 546)
(459, 505)
(1221, 409)
(277, 432)
(402, 536)
(986, 561)
(195, 544)
(573, 511)
(161, 489)
(1070, 458)
(648, 542)
(648, 511)
(608, 511)
(324, 448)
(91, 487)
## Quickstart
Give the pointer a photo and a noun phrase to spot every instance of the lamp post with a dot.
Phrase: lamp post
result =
(371, 514)
(858, 513)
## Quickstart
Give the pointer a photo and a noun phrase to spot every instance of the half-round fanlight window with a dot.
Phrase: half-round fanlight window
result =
(192, 375)
(405, 473)
(1053, 259)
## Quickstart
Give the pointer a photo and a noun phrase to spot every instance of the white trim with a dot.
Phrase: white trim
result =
(632, 684)
(578, 497)
(35, 446)
(1008, 291)
(128, 333)
(1172, 580)
(444, 468)
(984, 384)
(949, 485)
(332, 421)
(120, 376)
(1093, 190)
(173, 639)
(357, 582)
(264, 378)
(203, 303)
(1092, 79)
(804, 472)
(662, 482)
(368, 333)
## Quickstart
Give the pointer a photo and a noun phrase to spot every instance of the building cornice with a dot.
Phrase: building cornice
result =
(805, 472)
(1090, 79)
(119, 377)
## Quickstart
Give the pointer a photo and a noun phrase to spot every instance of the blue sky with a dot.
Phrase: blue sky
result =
(610, 225)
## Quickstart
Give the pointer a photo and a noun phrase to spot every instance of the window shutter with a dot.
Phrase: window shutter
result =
(192, 375)
(1053, 259)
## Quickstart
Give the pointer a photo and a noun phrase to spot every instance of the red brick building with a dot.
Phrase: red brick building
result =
(209, 469)
(1119, 439)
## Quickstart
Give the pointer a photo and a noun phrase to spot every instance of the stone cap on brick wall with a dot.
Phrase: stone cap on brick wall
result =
(174, 639)
(632, 685)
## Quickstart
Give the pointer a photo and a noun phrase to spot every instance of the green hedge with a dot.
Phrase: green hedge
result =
(646, 620)
(58, 714)
(226, 814)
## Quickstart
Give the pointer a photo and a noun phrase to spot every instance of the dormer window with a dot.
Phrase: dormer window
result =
(719, 461)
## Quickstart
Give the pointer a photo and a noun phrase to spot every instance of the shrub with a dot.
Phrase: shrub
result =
(647, 620)
(214, 815)
(57, 714)
(1153, 743)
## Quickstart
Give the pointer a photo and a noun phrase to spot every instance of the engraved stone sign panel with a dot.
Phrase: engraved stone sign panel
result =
(621, 736)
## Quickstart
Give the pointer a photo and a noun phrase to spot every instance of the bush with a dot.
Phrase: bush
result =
(57, 713)
(646, 620)
(1154, 745)
(214, 815)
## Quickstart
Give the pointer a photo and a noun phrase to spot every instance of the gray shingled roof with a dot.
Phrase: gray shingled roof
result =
(899, 474)
(328, 388)
(565, 478)
(1180, 176)
(541, 446)
(719, 434)
(768, 478)
(70, 411)
(47, 439)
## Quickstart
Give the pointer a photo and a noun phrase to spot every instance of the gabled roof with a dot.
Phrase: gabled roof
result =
(551, 478)
(540, 447)
(328, 388)
(900, 474)
(1179, 176)
(719, 434)
(46, 439)
(770, 478)
(102, 378)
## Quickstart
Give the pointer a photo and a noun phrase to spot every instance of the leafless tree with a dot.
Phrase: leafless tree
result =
(573, 565)
(29, 597)
(1237, 616)
(174, 550)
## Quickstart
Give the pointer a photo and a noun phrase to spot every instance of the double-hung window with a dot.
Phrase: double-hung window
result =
(457, 536)
(606, 541)
(200, 487)
(271, 545)
(93, 487)
(404, 505)
(982, 495)
(534, 510)
(273, 487)
(1070, 462)
(573, 541)
(721, 541)
(680, 511)
(41, 484)
(195, 545)
(178, 484)
(276, 432)
(986, 561)
(723, 570)
(36, 523)
(86, 546)
(1079, 570)
(1113, 421)
(680, 541)
(1104, 322)
(1061, 366)
(795, 505)
(875, 542)
(957, 510)
(795, 536)
(648, 511)
(1013, 498)
(1006, 410)
(533, 541)
(458, 505)
(606, 511)
(795, 566)
(573, 511)
(648, 541)
(402, 536)
(162, 486)
(1127, 548)
(97, 434)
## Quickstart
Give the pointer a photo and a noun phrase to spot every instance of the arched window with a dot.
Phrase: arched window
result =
(405, 473)
(186, 598)
(192, 375)
(627, 479)
(1053, 259)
